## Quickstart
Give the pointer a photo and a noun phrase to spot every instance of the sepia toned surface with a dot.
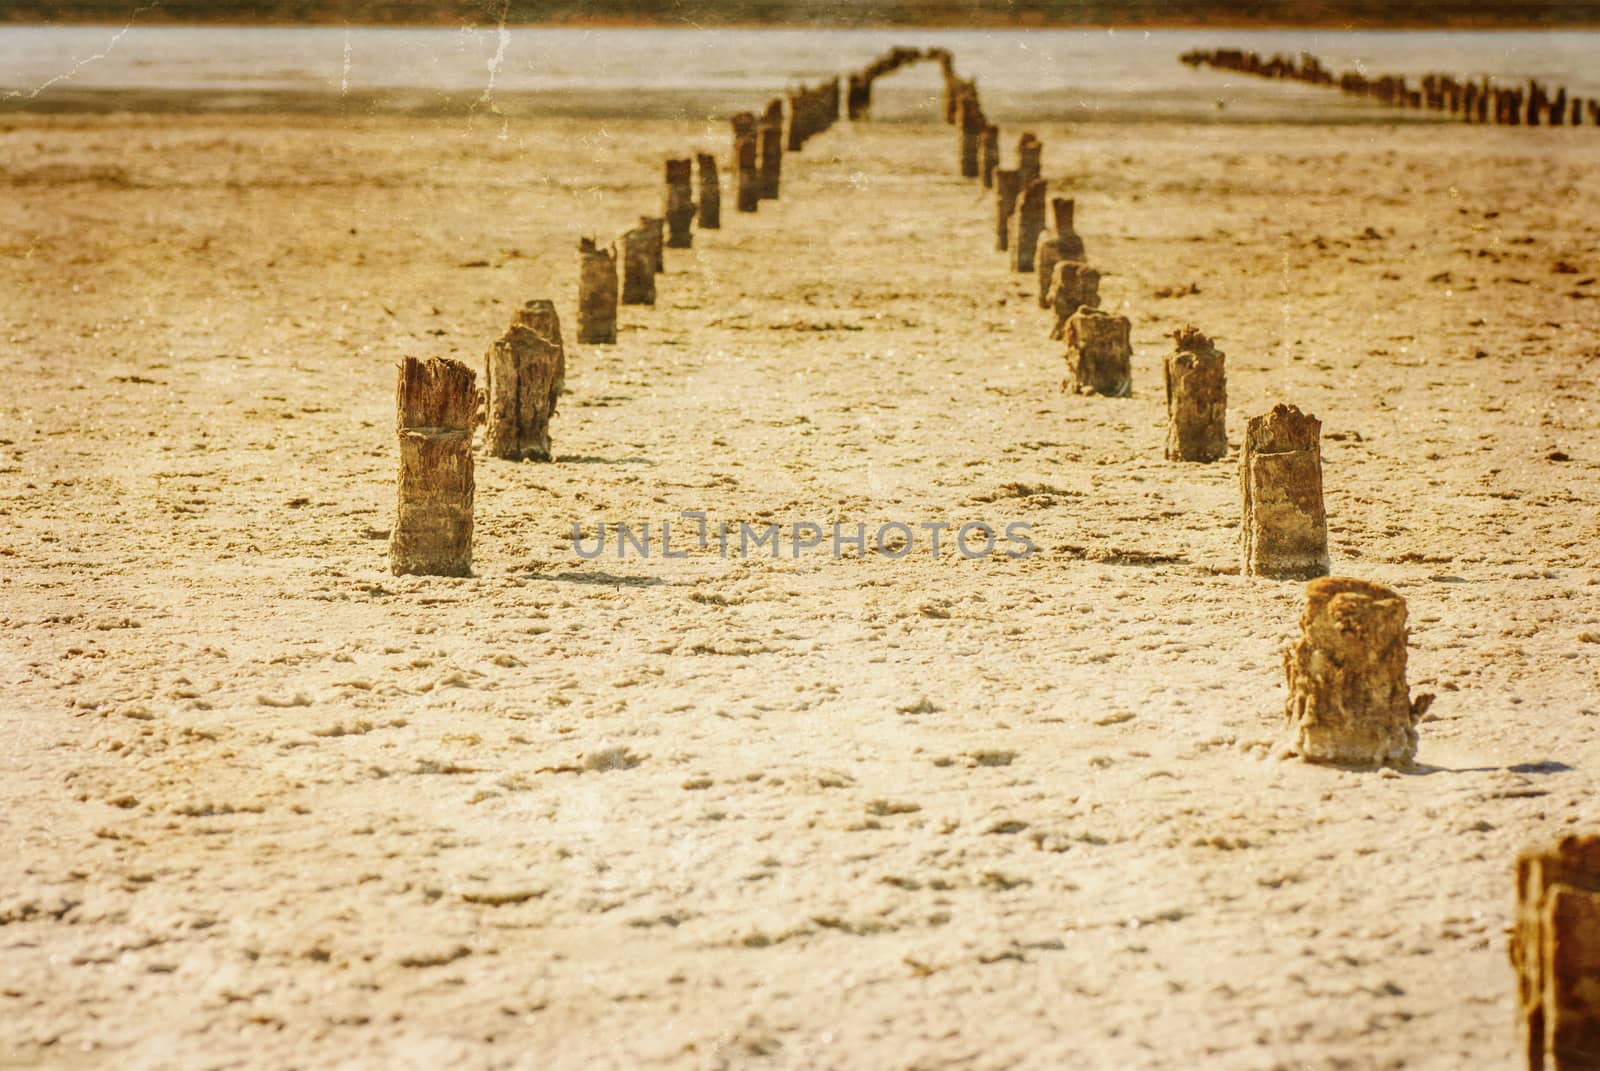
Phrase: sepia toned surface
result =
(269, 805)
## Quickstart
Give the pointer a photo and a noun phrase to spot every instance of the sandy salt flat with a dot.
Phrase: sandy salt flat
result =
(269, 806)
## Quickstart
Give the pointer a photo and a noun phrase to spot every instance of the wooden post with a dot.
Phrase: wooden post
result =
(1098, 354)
(1284, 533)
(1348, 698)
(970, 121)
(988, 154)
(1029, 151)
(1007, 187)
(1555, 950)
(680, 203)
(656, 229)
(747, 176)
(1197, 398)
(710, 192)
(1071, 245)
(501, 436)
(800, 119)
(597, 293)
(434, 402)
(527, 368)
(1030, 224)
(770, 145)
(638, 268)
(744, 124)
(1073, 285)
(858, 98)
(1046, 255)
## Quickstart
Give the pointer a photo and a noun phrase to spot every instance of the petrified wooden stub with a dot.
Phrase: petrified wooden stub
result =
(972, 124)
(858, 97)
(1007, 188)
(1555, 950)
(434, 402)
(1071, 245)
(747, 175)
(500, 437)
(1098, 354)
(1197, 398)
(988, 154)
(656, 229)
(527, 368)
(597, 293)
(802, 123)
(1348, 698)
(1073, 285)
(1029, 152)
(770, 146)
(541, 379)
(1029, 225)
(1284, 532)
(679, 208)
(710, 192)
(1046, 255)
(638, 267)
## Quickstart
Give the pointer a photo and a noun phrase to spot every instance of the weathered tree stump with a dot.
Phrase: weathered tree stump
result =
(526, 369)
(1029, 151)
(1555, 950)
(710, 192)
(1098, 354)
(434, 401)
(679, 207)
(1073, 285)
(1284, 533)
(597, 293)
(1348, 698)
(638, 267)
(1029, 226)
(1007, 188)
(770, 146)
(1197, 398)
(988, 154)
(1067, 239)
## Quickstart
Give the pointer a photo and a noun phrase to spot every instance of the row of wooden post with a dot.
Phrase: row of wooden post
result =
(1470, 100)
(1365, 720)
(1281, 461)
(437, 400)
(858, 96)
(1348, 700)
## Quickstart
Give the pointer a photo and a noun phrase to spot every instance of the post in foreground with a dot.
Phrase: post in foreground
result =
(434, 401)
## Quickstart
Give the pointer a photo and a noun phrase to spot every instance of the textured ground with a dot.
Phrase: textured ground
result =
(269, 806)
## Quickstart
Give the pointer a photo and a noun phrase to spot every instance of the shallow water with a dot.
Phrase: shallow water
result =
(1063, 72)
